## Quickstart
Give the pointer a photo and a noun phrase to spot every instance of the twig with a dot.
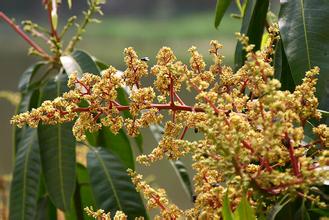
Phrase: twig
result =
(24, 35)
(53, 30)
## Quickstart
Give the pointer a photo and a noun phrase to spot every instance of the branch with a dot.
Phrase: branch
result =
(53, 30)
(293, 158)
(24, 36)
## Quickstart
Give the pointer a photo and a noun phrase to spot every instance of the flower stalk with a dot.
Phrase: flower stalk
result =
(21, 33)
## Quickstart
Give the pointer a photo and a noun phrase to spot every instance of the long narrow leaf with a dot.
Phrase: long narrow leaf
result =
(221, 7)
(253, 25)
(79, 61)
(46, 210)
(119, 144)
(57, 148)
(226, 211)
(23, 106)
(112, 187)
(86, 194)
(26, 176)
(282, 69)
(245, 211)
(305, 39)
(27, 76)
(29, 97)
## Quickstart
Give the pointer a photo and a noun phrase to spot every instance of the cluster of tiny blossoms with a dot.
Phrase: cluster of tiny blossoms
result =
(253, 133)
(101, 215)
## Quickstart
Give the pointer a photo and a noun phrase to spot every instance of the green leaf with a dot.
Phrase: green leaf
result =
(101, 65)
(221, 7)
(119, 144)
(46, 210)
(305, 39)
(57, 148)
(253, 24)
(26, 176)
(92, 138)
(177, 165)
(86, 194)
(28, 100)
(111, 184)
(322, 212)
(244, 210)
(75, 212)
(282, 69)
(302, 213)
(28, 75)
(289, 210)
(80, 62)
(226, 211)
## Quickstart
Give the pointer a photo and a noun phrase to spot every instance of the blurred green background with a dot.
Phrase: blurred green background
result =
(145, 25)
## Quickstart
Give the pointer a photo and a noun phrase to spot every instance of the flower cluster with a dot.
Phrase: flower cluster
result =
(100, 214)
(253, 133)
(155, 198)
(136, 68)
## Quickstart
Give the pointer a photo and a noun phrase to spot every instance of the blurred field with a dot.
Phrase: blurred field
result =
(108, 39)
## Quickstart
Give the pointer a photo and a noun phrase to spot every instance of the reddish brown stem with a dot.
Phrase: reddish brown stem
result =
(24, 35)
(172, 103)
(267, 165)
(87, 88)
(167, 106)
(183, 133)
(247, 145)
(157, 106)
(179, 99)
(172, 96)
(263, 162)
(158, 202)
(243, 88)
(53, 30)
(174, 116)
(293, 158)
(207, 100)
(80, 110)
(97, 116)
(261, 107)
